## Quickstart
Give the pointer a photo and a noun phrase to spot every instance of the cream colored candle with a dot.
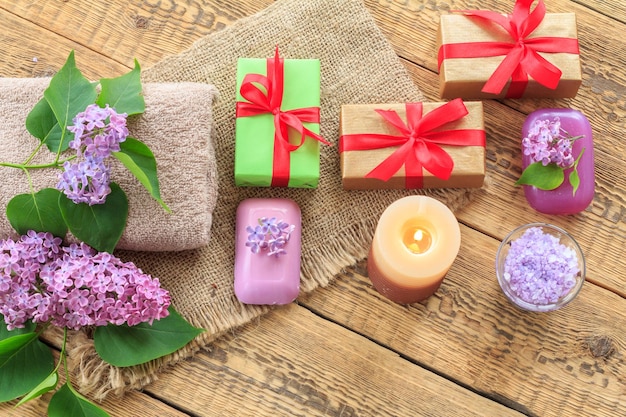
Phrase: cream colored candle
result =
(415, 243)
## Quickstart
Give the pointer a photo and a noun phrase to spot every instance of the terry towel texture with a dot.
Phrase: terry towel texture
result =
(176, 126)
(358, 66)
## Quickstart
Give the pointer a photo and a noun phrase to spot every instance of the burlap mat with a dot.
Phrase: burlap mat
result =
(358, 66)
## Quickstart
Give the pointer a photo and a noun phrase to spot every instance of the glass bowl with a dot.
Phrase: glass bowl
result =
(540, 267)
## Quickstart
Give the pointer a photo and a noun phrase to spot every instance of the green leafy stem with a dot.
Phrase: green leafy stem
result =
(26, 166)
(549, 177)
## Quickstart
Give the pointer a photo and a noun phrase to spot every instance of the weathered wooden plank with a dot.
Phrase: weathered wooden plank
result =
(121, 31)
(28, 56)
(469, 332)
(294, 363)
(614, 10)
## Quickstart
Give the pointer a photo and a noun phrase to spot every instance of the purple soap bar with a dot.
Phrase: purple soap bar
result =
(562, 200)
(267, 251)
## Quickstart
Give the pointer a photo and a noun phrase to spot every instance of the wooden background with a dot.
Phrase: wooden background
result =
(345, 350)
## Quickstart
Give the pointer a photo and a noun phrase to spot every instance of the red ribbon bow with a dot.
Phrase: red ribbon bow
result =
(269, 101)
(521, 54)
(418, 143)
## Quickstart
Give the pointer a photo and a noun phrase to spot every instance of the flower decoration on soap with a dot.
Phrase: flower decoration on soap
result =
(539, 269)
(78, 284)
(551, 151)
(269, 235)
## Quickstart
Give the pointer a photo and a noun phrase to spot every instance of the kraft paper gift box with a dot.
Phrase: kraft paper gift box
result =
(463, 42)
(290, 155)
(368, 142)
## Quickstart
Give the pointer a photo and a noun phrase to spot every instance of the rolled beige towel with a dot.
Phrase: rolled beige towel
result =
(176, 125)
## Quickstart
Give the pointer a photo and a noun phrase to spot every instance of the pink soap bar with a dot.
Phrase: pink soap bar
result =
(562, 200)
(265, 277)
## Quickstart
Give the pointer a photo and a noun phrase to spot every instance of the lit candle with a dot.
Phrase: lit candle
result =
(416, 241)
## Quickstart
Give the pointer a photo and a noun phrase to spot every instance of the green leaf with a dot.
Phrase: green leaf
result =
(44, 386)
(140, 161)
(66, 402)
(5, 333)
(123, 93)
(544, 177)
(24, 362)
(100, 225)
(13, 343)
(133, 345)
(42, 124)
(69, 93)
(39, 212)
(574, 179)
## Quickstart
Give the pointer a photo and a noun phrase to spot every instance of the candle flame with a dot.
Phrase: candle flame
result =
(417, 240)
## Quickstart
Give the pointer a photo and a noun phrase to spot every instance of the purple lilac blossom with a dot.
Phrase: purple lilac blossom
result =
(86, 181)
(539, 269)
(547, 143)
(256, 239)
(97, 133)
(271, 234)
(73, 286)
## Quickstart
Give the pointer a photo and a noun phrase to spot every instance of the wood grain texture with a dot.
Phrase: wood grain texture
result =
(121, 31)
(345, 350)
(615, 11)
(319, 370)
(506, 353)
(29, 57)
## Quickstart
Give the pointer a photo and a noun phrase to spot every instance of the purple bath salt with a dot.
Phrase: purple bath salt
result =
(539, 269)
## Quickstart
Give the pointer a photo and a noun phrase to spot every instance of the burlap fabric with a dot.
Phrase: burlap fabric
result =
(358, 66)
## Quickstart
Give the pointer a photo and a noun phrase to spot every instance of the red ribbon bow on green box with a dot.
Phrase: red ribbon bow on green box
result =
(418, 143)
(269, 100)
(521, 54)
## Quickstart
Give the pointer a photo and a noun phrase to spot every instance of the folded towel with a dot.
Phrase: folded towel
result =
(176, 125)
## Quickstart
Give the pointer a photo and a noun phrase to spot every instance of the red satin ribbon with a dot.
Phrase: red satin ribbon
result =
(269, 100)
(521, 54)
(418, 143)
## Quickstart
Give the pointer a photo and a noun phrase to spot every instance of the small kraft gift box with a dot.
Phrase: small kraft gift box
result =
(277, 142)
(412, 145)
(484, 54)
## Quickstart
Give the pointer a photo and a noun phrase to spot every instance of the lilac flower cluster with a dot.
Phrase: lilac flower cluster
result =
(73, 286)
(271, 234)
(546, 142)
(539, 269)
(97, 133)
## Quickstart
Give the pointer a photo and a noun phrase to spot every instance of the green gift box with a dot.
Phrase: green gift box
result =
(257, 161)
